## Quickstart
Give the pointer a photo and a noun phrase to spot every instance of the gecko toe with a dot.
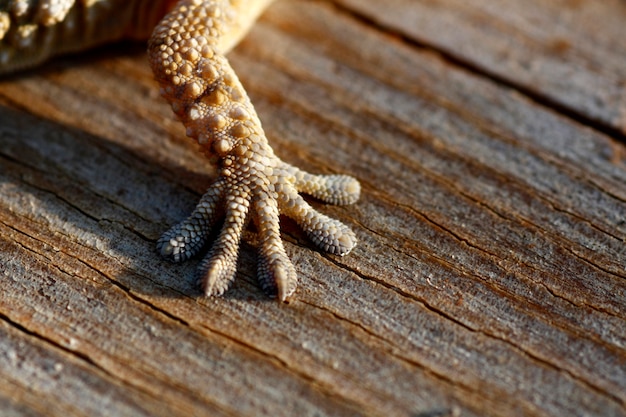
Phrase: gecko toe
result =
(276, 273)
(332, 189)
(328, 234)
(187, 238)
(219, 267)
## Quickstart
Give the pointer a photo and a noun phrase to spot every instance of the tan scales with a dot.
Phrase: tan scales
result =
(186, 52)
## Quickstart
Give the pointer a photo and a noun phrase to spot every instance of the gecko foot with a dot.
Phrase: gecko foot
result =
(262, 199)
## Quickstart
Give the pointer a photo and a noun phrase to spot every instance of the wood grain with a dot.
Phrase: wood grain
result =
(566, 54)
(489, 278)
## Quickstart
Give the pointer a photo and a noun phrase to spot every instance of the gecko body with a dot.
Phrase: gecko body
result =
(186, 52)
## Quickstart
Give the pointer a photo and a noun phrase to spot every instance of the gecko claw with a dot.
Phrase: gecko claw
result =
(216, 275)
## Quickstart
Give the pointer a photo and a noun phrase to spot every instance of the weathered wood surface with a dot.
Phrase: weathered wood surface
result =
(489, 278)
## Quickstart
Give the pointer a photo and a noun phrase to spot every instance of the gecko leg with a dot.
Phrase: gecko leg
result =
(186, 55)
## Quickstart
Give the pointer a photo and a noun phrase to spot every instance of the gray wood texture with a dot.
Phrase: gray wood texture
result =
(489, 279)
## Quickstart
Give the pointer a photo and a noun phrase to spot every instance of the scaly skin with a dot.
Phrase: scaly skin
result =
(186, 53)
(32, 31)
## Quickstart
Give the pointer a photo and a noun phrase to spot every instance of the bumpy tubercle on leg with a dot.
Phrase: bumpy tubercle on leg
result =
(253, 183)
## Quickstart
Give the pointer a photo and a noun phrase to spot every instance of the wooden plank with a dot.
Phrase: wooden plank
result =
(488, 279)
(569, 54)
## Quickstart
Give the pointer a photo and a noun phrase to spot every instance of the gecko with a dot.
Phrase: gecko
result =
(187, 43)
